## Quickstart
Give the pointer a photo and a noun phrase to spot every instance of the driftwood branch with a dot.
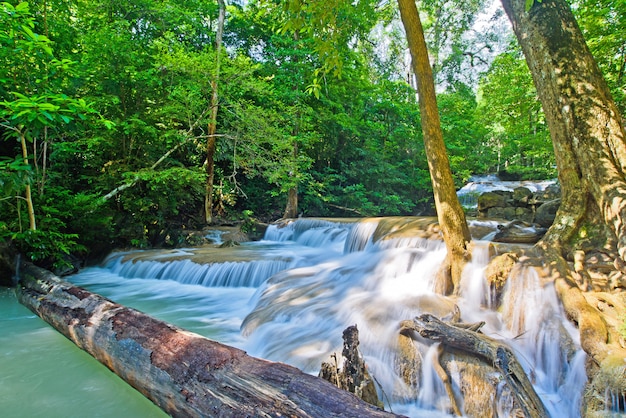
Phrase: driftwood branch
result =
(493, 351)
(183, 373)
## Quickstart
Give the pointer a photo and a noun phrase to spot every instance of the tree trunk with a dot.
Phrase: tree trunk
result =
(27, 189)
(585, 125)
(291, 210)
(210, 146)
(589, 144)
(449, 211)
(183, 373)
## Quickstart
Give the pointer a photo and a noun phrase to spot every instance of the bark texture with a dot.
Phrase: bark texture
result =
(589, 144)
(451, 217)
(183, 373)
(353, 376)
(586, 127)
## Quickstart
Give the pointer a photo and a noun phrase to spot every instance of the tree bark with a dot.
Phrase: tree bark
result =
(451, 217)
(585, 125)
(291, 210)
(211, 140)
(493, 351)
(27, 189)
(183, 373)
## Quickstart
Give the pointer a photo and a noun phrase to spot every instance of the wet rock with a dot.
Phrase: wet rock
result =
(497, 273)
(547, 212)
(522, 195)
(520, 204)
(493, 199)
(519, 232)
(524, 214)
(605, 394)
(408, 362)
(478, 384)
(495, 213)
(229, 243)
(354, 376)
(548, 194)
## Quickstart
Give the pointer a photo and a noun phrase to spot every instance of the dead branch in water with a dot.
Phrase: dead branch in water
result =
(493, 351)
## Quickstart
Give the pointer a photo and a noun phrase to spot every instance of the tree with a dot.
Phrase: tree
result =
(32, 104)
(454, 49)
(287, 59)
(449, 211)
(210, 147)
(586, 127)
(590, 149)
(323, 19)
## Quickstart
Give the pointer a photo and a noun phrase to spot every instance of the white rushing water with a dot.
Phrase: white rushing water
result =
(289, 297)
(468, 194)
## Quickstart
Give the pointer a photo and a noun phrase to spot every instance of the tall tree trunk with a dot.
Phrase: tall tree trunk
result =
(210, 146)
(27, 189)
(588, 136)
(586, 127)
(449, 211)
(291, 210)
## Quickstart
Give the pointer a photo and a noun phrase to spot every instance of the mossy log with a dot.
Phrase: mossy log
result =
(183, 373)
(486, 348)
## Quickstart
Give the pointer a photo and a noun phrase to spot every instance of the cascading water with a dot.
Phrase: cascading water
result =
(468, 194)
(289, 297)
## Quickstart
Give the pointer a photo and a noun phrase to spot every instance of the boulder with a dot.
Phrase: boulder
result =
(519, 232)
(522, 195)
(546, 212)
(496, 198)
(524, 214)
(548, 194)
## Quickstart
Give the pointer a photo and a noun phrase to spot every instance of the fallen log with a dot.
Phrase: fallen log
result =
(493, 351)
(183, 373)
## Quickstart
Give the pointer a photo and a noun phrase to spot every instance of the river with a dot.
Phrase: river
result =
(288, 298)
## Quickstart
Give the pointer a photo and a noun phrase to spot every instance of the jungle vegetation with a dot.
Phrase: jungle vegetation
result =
(107, 110)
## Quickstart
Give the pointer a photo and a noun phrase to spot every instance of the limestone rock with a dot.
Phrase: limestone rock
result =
(522, 195)
(493, 199)
(546, 212)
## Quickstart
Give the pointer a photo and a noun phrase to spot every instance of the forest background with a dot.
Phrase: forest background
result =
(106, 108)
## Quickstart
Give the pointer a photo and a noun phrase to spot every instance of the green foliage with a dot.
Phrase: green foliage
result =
(603, 23)
(14, 174)
(529, 4)
(332, 25)
(517, 136)
(351, 144)
(47, 247)
(248, 221)
(162, 201)
(463, 132)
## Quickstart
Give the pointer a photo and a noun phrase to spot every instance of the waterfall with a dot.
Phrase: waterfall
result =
(543, 338)
(288, 298)
(432, 394)
(220, 274)
(468, 194)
